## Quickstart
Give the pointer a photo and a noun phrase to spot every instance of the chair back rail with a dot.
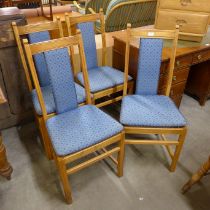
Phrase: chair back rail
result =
(152, 34)
(65, 42)
(20, 31)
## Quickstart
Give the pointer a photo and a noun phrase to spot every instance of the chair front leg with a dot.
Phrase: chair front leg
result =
(178, 149)
(64, 178)
(121, 154)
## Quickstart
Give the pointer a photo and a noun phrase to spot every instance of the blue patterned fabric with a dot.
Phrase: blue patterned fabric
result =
(39, 59)
(150, 52)
(88, 36)
(49, 99)
(150, 111)
(80, 128)
(62, 79)
(102, 78)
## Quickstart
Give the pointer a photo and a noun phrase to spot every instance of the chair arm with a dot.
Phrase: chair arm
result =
(91, 10)
(78, 6)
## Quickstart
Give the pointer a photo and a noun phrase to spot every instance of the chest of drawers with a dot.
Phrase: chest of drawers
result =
(191, 15)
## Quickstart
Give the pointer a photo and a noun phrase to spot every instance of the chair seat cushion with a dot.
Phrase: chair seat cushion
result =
(80, 128)
(49, 99)
(150, 111)
(102, 78)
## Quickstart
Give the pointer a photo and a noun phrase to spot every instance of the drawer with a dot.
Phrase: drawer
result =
(179, 76)
(190, 5)
(201, 56)
(189, 22)
(183, 61)
(177, 90)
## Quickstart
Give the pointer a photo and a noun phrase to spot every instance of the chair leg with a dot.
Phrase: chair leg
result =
(178, 150)
(64, 179)
(121, 155)
(45, 139)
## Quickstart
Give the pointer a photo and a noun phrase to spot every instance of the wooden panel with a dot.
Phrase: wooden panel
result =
(189, 22)
(201, 56)
(183, 61)
(190, 5)
(177, 90)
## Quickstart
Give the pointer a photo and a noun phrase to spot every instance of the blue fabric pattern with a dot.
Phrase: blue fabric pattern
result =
(88, 36)
(150, 52)
(150, 111)
(102, 78)
(80, 128)
(62, 79)
(49, 99)
(39, 59)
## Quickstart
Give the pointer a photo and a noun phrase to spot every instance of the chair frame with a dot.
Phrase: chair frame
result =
(62, 161)
(158, 131)
(71, 23)
(23, 31)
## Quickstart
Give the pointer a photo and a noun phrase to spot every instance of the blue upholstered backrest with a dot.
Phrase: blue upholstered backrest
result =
(150, 53)
(39, 59)
(62, 79)
(88, 36)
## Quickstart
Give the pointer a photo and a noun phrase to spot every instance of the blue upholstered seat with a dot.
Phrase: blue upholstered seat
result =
(104, 77)
(146, 108)
(100, 78)
(150, 111)
(73, 128)
(49, 100)
(80, 128)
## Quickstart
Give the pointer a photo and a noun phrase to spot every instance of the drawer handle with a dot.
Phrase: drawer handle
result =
(181, 22)
(199, 57)
(174, 78)
(185, 2)
(178, 63)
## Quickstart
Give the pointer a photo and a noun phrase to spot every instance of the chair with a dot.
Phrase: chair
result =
(121, 12)
(145, 112)
(74, 131)
(40, 33)
(104, 80)
(93, 5)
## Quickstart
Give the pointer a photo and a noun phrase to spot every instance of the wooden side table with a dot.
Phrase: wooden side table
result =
(5, 167)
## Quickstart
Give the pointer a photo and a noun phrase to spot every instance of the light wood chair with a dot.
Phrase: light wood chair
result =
(146, 112)
(104, 81)
(74, 131)
(39, 33)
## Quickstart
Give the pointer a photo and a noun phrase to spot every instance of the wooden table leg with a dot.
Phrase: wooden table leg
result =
(197, 176)
(5, 167)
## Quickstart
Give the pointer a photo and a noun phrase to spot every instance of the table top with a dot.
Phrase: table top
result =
(184, 47)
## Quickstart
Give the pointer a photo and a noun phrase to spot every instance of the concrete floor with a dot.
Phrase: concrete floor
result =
(147, 184)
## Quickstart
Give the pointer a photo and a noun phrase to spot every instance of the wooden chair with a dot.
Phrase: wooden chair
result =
(104, 80)
(39, 33)
(197, 176)
(74, 131)
(146, 112)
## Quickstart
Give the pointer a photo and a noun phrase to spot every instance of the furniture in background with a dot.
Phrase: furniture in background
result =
(94, 5)
(190, 56)
(12, 78)
(104, 81)
(75, 132)
(146, 112)
(137, 12)
(191, 15)
(197, 176)
(5, 167)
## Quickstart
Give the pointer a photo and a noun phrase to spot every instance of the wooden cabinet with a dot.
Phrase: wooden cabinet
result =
(192, 16)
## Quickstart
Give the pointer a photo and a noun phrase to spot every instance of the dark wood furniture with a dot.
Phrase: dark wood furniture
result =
(197, 176)
(192, 59)
(5, 167)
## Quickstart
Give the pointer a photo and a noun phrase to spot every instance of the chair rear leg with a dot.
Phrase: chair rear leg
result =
(121, 155)
(178, 150)
(64, 179)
